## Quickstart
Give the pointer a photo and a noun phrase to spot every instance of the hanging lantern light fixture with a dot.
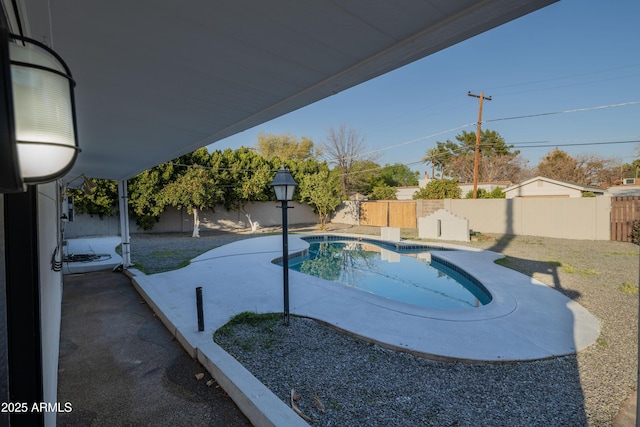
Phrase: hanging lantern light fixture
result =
(44, 111)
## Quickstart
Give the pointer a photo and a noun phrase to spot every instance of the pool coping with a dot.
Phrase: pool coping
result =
(523, 313)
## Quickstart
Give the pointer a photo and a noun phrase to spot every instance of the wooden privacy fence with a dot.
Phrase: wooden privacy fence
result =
(389, 213)
(624, 211)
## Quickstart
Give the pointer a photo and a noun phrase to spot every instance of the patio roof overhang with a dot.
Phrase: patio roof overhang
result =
(158, 79)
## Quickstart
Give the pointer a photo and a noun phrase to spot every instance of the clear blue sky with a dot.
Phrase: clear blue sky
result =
(574, 54)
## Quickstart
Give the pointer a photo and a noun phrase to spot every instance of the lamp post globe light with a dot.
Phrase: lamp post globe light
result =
(284, 186)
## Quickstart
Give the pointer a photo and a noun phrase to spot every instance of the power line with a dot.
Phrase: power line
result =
(576, 110)
(561, 141)
(571, 76)
(521, 84)
(422, 138)
(579, 144)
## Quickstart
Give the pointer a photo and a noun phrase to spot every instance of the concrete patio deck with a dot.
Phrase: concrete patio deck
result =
(526, 320)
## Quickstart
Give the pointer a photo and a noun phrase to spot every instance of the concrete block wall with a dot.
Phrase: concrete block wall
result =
(427, 207)
(173, 220)
(587, 218)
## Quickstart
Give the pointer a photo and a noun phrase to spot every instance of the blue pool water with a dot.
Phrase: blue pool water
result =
(402, 276)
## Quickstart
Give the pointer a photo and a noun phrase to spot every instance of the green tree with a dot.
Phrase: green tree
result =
(143, 190)
(244, 175)
(322, 191)
(398, 175)
(100, 198)
(634, 169)
(383, 192)
(439, 156)
(439, 189)
(497, 161)
(194, 190)
(285, 147)
(145, 203)
(367, 175)
(491, 143)
(364, 175)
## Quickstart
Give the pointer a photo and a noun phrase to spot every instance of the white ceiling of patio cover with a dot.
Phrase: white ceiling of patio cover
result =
(158, 79)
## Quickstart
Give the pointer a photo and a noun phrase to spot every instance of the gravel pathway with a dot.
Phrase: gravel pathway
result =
(347, 382)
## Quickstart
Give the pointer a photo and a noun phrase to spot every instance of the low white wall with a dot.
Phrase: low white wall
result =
(443, 225)
(172, 220)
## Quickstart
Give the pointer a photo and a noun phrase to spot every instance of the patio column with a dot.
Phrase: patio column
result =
(123, 204)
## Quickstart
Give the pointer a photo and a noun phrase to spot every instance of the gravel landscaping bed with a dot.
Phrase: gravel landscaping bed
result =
(344, 381)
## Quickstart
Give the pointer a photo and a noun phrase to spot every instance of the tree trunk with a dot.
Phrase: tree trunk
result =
(196, 223)
(254, 224)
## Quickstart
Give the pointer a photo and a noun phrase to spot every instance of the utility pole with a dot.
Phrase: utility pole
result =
(477, 157)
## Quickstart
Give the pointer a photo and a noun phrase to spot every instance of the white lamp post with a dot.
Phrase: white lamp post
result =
(284, 186)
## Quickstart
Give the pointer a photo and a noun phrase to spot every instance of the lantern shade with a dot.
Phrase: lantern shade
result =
(44, 112)
(10, 177)
(284, 185)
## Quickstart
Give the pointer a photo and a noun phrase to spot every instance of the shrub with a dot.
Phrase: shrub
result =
(629, 288)
(383, 192)
(496, 193)
(439, 189)
(635, 233)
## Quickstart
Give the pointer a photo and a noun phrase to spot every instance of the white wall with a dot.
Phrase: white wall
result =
(585, 218)
(347, 213)
(406, 193)
(181, 221)
(50, 293)
(92, 225)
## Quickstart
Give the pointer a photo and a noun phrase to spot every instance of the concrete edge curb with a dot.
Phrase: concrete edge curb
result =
(255, 400)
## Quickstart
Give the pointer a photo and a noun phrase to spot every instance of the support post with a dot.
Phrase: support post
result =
(123, 204)
(199, 309)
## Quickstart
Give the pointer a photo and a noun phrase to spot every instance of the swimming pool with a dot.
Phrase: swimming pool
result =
(411, 276)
